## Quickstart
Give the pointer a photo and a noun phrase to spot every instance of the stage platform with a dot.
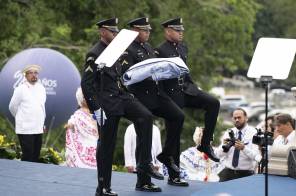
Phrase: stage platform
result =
(32, 179)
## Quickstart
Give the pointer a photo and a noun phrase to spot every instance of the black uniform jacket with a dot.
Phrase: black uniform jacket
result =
(176, 87)
(147, 91)
(110, 99)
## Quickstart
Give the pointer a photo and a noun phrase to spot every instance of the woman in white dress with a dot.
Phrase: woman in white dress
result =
(81, 136)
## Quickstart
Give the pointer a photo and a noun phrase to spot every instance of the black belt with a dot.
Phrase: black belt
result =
(180, 81)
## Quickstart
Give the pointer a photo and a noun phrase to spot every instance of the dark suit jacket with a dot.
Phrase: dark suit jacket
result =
(110, 99)
(147, 91)
(172, 86)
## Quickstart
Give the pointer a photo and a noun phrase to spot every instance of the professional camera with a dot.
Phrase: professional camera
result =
(230, 141)
(259, 139)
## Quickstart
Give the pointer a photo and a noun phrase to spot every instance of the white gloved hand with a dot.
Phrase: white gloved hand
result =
(98, 116)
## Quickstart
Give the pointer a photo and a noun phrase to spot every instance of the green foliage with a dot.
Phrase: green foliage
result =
(283, 15)
(220, 34)
(220, 37)
(119, 168)
(49, 155)
(7, 129)
(277, 19)
(9, 150)
(55, 138)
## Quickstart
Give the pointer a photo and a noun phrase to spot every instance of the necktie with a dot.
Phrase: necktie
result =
(236, 152)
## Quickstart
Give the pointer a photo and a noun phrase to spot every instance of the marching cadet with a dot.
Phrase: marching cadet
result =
(149, 93)
(113, 102)
(183, 90)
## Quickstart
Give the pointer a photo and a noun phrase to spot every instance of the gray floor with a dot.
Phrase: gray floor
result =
(32, 179)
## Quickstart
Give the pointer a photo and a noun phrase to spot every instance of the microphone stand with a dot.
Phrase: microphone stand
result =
(265, 80)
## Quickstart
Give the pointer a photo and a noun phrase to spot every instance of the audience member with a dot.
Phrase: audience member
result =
(27, 105)
(241, 158)
(130, 139)
(284, 126)
(81, 136)
(270, 125)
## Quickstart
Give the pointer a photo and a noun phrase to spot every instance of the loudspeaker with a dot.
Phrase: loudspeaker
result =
(292, 163)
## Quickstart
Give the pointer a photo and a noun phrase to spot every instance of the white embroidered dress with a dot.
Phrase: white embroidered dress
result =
(196, 165)
(81, 141)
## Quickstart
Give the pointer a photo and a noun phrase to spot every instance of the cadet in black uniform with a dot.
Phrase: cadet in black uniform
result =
(183, 90)
(155, 99)
(115, 102)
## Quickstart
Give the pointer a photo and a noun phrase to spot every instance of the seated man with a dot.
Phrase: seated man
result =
(239, 153)
(130, 138)
(284, 126)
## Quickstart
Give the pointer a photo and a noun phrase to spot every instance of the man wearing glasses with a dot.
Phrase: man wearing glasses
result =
(27, 105)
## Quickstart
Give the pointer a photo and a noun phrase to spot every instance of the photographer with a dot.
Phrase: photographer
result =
(238, 153)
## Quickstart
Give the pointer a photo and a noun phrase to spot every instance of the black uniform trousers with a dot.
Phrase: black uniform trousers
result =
(142, 119)
(201, 100)
(31, 146)
(174, 119)
(211, 105)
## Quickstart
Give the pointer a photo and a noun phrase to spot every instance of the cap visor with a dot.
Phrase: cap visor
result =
(178, 28)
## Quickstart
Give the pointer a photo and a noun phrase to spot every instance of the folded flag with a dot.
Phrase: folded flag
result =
(156, 68)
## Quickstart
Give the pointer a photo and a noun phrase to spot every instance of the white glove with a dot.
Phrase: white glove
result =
(98, 116)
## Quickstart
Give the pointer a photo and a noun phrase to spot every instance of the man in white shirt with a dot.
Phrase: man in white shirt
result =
(241, 158)
(130, 148)
(284, 126)
(27, 105)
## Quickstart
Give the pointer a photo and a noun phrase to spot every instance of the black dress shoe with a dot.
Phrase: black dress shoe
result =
(177, 182)
(150, 171)
(105, 192)
(209, 151)
(148, 188)
(168, 161)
